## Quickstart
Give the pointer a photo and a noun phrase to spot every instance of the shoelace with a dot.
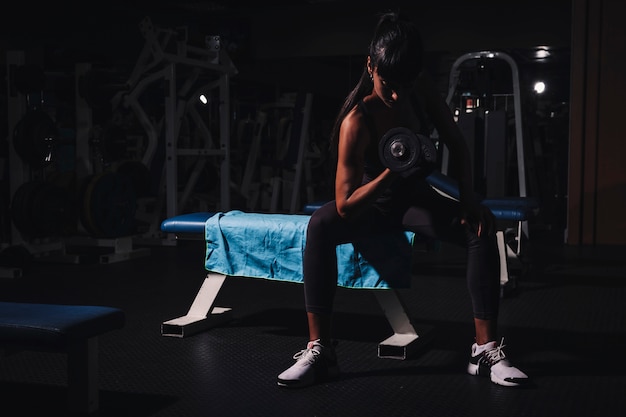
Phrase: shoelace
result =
(496, 354)
(304, 355)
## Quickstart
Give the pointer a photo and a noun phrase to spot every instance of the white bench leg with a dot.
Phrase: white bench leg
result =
(504, 258)
(404, 340)
(202, 314)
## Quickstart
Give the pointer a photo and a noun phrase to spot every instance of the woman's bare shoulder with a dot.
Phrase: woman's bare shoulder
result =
(354, 119)
(354, 126)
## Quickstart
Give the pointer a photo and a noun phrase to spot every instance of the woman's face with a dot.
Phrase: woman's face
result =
(390, 92)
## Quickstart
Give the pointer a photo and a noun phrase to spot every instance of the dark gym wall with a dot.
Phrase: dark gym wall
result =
(306, 44)
(274, 30)
(597, 177)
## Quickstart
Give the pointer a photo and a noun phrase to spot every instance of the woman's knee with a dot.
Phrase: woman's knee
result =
(324, 216)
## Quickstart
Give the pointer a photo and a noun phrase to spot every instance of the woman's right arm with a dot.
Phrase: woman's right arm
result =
(351, 197)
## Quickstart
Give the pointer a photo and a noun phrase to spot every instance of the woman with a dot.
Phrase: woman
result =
(369, 198)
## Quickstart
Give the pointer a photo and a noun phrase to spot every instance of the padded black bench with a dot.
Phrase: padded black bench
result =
(70, 329)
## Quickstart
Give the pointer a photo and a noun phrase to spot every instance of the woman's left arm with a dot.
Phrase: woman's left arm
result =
(476, 215)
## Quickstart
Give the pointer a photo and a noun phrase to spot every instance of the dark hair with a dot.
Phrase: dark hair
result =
(395, 51)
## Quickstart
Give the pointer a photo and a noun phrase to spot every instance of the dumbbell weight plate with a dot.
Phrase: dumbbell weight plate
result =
(429, 152)
(400, 150)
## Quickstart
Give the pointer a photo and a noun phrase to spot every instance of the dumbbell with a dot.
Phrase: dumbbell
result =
(407, 153)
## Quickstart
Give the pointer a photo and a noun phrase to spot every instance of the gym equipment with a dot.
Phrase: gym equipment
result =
(270, 246)
(16, 256)
(493, 129)
(287, 163)
(70, 329)
(34, 138)
(108, 205)
(42, 209)
(186, 72)
(139, 175)
(407, 153)
(481, 118)
(29, 78)
(113, 143)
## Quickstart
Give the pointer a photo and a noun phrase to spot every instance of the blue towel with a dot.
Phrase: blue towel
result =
(271, 246)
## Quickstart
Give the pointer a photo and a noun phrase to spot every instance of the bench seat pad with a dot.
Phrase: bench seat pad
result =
(54, 325)
(515, 208)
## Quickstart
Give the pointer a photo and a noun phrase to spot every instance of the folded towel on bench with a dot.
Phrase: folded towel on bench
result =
(271, 246)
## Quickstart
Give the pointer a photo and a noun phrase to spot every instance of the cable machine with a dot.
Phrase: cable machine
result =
(486, 101)
(477, 103)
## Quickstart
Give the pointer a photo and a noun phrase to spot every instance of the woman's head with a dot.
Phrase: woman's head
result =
(396, 51)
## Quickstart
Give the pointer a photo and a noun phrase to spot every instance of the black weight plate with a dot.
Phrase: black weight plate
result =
(139, 175)
(399, 136)
(429, 151)
(83, 203)
(41, 209)
(21, 208)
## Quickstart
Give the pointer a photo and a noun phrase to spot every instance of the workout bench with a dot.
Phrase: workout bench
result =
(271, 246)
(71, 329)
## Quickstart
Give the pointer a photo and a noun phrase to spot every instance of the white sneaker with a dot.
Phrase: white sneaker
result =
(314, 364)
(490, 360)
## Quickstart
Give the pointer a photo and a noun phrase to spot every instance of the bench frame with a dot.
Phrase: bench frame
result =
(203, 314)
(82, 372)
(81, 350)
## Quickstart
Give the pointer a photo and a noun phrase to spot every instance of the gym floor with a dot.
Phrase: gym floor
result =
(564, 324)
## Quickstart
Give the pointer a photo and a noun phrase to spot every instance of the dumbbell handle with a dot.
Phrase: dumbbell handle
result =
(397, 149)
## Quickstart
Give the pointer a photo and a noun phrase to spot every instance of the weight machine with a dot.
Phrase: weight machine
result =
(287, 159)
(168, 57)
(44, 216)
(484, 117)
(484, 105)
(37, 207)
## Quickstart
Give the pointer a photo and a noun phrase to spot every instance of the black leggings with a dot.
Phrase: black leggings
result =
(429, 214)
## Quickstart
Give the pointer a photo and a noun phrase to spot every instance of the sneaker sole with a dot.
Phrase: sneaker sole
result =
(506, 383)
(291, 384)
(473, 369)
(333, 373)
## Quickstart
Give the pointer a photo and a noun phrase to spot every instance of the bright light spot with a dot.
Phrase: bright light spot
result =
(542, 52)
(203, 99)
(540, 87)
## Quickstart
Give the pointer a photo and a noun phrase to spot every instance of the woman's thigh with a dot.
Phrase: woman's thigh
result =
(433, 215)
(326, 223)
